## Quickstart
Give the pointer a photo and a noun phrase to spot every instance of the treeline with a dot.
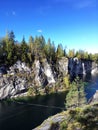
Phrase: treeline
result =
(35, 48)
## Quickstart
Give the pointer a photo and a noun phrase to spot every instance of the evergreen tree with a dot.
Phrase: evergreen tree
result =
(71, 53)
(31, 44)
(8, 47)
(24, 51)
(37, 48)
(60, 51)
(49, 50)
(76, 96)
(31, 49)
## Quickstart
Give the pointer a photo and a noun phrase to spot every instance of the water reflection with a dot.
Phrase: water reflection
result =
(25, 117)
(92, 85)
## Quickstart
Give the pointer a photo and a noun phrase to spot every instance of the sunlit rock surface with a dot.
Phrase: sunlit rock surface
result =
(48, 72)
(63, 66)
(16, 79)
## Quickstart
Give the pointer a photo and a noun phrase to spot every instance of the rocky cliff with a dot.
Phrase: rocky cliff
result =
(75, 119)
(78, 67)
(16, 79)
(94, 99)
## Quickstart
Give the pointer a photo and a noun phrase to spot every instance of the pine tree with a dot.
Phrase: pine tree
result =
(71, 53)
(60, 51)
(24, 51)
(31, 49)
(8, 47)
(31, 44)
(76, 96)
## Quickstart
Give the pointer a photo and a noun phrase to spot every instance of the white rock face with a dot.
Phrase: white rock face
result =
(48, 72)
(94, 68)
(77, 66)
(20, 77)
(94, 99)
(8, 88)
(37, 72)
(96, 95)
(20, 66)
(84, 71)
(63, 65)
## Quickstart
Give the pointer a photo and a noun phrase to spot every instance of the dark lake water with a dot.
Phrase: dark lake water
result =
(14, 116)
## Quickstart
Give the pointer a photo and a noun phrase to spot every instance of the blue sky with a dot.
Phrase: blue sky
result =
(74, 23)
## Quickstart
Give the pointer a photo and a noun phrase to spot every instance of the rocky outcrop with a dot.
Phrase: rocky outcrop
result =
(18, 67)
(37, 72)
(94, 99)
(79, 67)
(62, 65)
(10, 86)
(87, 119)
(48, 72)
(19, 77)
(46, 125)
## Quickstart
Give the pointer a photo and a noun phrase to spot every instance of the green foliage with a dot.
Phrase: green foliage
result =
(66, 81)
(76, 96)
(49, 50)
(36, 48)
(60, 51)
(81, 119)
(71, 53)
(8, 45)
(30, 91)
(63, 125)
(24, 50)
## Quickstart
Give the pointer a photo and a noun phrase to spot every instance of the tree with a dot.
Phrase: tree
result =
(71, 53)
(80, 54)
(49, 50)
(31, 49)
(38, 47)
(60, 51)
(11, 37)
(1, 51)
(66, 81)
(86, 56)
(31, 44)
(24, 51)
(8, 47)
(76, 96)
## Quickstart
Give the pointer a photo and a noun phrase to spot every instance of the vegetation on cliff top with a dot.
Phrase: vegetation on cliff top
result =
(36, 48)
(81, 119)
(85, 118)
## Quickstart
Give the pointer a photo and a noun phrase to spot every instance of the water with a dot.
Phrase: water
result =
(92, 85)
(14, 116)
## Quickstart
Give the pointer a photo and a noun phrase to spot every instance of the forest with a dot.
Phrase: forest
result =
(36, 48)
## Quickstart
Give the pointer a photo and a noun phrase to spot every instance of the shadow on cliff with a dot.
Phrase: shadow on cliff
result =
(79, 67)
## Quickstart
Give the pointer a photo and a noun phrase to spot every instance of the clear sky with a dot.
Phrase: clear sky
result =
(74, 23)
